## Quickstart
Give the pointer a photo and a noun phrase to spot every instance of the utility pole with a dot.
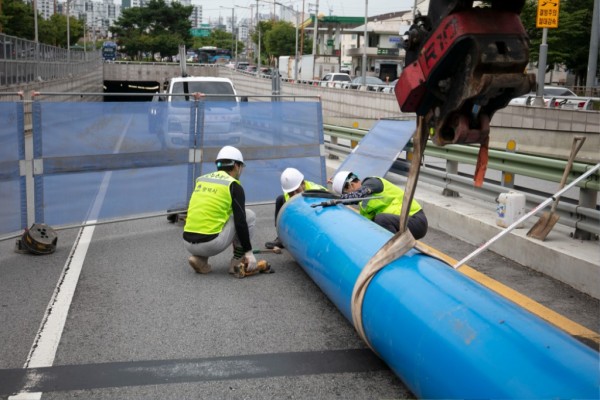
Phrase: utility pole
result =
(258, 52)
(296, 54)
(68, 34)
(302, 32)
(315, 39)
(593, 55)
(35, 20)
(365, 42)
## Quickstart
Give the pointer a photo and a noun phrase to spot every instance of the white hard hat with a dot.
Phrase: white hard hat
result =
(229, 153)
(339, 180)
(291, 179)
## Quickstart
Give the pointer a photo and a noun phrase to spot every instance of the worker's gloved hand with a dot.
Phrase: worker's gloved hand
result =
(251, 261)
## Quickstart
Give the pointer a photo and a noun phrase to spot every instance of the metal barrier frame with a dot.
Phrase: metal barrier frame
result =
(32, 160)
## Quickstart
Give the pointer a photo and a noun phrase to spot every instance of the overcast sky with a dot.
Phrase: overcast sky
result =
(348, 8)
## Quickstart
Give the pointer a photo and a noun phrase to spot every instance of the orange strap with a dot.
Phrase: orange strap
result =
(482, 161)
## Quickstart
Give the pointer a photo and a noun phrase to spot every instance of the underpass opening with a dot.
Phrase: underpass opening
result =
(144, 87)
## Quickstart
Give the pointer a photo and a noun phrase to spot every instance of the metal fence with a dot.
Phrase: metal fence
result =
(581, 214)
(24, 61)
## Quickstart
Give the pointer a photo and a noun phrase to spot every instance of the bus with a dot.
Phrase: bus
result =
(213, 55)
(109, 51)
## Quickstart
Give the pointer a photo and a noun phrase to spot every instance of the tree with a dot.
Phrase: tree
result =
(280, 40)
(569, 43)
(277, 39)
(156, 28)
(17, 19)
(219, 38)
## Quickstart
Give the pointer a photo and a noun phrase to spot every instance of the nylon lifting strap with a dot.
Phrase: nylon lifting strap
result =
(400, 243)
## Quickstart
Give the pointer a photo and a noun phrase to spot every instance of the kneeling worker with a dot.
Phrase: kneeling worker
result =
(217, 216)
(385, 211)
(292, 182)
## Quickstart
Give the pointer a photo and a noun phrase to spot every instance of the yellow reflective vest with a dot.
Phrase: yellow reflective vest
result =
(391, 203)
(210, 204)
(308, 185)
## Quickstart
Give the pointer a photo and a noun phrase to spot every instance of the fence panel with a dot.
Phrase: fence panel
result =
(13, 215)
(102, 161)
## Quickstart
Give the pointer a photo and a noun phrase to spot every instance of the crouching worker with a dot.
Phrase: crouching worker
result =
(384, 211)
(292, 182)
(217, 216)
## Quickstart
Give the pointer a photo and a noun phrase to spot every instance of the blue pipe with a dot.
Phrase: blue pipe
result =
(443, 334)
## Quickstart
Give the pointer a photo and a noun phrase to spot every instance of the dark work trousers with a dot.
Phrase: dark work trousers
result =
(417, 223)
(279, 201)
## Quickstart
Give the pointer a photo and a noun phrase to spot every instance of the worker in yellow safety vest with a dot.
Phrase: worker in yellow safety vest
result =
(384, 211)
(292, 183)
(217, 215)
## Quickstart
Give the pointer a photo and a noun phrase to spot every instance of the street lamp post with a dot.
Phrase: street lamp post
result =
(258, 52)
(296, 48)
(233, 38)
(68, 33)
(364, 55)
(315, 39)
(247, 35)
(296, 54)
(35, 20)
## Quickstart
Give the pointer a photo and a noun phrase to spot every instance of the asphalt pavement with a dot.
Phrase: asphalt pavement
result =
(140, 323)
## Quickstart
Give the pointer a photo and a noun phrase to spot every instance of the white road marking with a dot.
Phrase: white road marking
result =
(43, 350)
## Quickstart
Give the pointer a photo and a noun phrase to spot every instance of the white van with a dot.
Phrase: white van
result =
(222, 118)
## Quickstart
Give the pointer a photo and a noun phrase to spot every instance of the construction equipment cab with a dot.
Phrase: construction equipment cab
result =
(217, 122)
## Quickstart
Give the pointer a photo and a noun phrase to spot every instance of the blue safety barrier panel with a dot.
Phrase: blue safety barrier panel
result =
(105, 161)
(13, 212)
(379, 148)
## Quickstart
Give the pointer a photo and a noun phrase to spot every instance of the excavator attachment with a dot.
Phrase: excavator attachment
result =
(462, 65)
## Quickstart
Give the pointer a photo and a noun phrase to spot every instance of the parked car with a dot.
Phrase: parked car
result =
(335, 79)
(170, 118)
(242, 65)
(560, 94)
(266, 71)
(372, 82)
(389, 88)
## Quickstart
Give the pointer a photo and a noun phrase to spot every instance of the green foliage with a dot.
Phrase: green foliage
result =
(569, 43)
(278, 39)
(156, 28)
(17, 19)
(219, 38)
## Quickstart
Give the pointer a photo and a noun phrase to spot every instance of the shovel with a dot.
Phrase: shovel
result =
(544, 225)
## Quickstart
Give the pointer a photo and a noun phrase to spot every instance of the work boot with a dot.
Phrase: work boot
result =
(200, 264)
(274, 243)
(233, 263)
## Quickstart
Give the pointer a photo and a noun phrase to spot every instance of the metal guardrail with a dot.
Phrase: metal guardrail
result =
(576, 216)
(24, 61)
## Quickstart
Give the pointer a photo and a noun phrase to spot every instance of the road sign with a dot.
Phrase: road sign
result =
(200, 32)
(547, 14)
(387, 52)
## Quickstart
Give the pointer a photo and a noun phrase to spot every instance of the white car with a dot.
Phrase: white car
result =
(221, 123)
(561, 96)
(335, 79)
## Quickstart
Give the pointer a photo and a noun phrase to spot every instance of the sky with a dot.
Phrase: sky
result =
(347, 8)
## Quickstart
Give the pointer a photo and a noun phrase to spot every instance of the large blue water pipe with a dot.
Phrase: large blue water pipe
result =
(443, 334)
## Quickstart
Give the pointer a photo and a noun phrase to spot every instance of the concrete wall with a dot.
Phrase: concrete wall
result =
(540, 131)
